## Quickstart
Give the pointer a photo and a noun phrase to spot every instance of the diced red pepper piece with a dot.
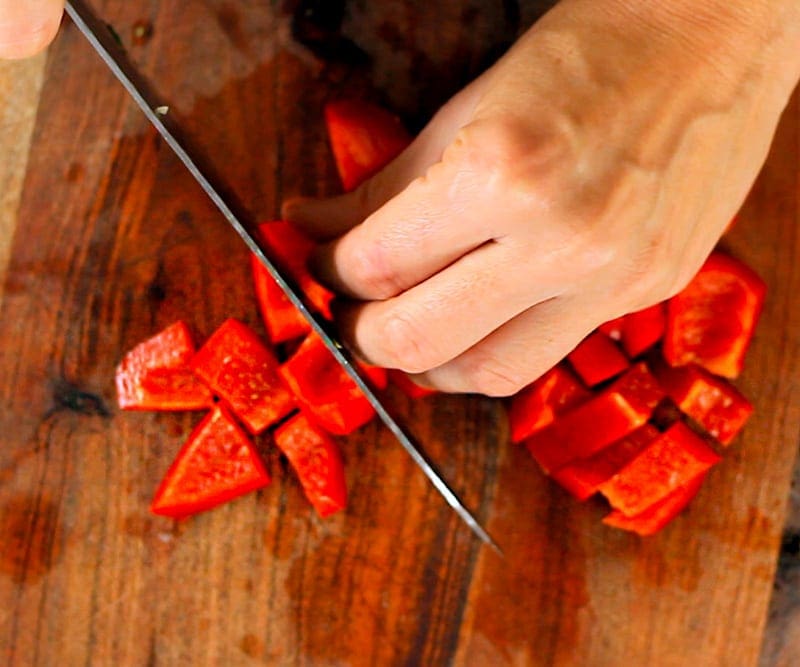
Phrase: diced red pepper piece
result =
(324, 389)
(317, 462)
(712, 402)
(407, 385)
(535, 406)
(239, 368)
(659, 514)
(291, 249)
(582, 478)
(155, 375)
(597, 359)
(283, 321)
(598, 422)
(711, 322)
(613, 328)
(364, 138)
(643, 329)
(217, 463)
(675, 458)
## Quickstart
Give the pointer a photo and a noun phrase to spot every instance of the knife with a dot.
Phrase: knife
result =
(106, 44)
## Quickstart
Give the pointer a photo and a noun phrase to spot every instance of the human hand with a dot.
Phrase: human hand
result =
(586, 175)
(28, 26)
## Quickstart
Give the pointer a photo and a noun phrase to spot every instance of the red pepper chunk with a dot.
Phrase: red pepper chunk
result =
(597, 359)
(283, 321)
(325, 390)
(643, 329)
(317, 462)
(613, 328)
(582, 478)
(711, 322)
(712, 402)
(217, 463)
(672, 460)
(239, 368)
(155, 375)
(598, 422)
(659, 514)
(364, 138)
(407, 385)
(537, 405)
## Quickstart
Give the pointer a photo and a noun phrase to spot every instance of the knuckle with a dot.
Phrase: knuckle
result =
(404, 344)
(372, 274)
(487, 374)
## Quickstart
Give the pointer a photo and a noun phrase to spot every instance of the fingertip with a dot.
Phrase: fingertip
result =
(26, 32)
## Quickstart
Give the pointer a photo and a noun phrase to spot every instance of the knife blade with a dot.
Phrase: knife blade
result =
(107, 46)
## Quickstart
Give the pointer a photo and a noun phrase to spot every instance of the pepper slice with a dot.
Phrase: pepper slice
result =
(643, 329)
(155, 375)
(672, 460)
(364, 137)
(537, 405)
(712, 402)
(711, 322)
(325, 390)
(598, 422)
(659, 514)
(239, 368)
(597, 359)
(317, 462)
(282, 320)
(582, 478)
(613, 328)
(217, 463)
(407, 385)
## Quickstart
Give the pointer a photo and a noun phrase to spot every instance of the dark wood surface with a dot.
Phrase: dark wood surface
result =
(113, 241)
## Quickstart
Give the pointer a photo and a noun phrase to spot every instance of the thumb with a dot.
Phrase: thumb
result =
(326, 219)
(28, 26)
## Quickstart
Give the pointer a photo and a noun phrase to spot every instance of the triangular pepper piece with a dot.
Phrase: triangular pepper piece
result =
(217, 463)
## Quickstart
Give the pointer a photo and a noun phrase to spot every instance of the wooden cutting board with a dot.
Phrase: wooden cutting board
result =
(110, 240)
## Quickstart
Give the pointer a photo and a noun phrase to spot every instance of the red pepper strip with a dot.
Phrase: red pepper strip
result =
(582, 478)
(407, 385)
(672, 460)
(535, 406)
(613, 328)
(712, 320)
(597, 359)
(239, 368)
(283, 321)
(291, 250)
(324, 389)
(598, 422)
(712, 402)
(155, 375)
(317, 462)
(643, 329)
(217, 463)
(364, 138)
(659, 514)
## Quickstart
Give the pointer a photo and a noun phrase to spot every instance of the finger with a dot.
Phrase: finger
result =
(327, 218)
(517, 353)
(27, 27)
(439, 319)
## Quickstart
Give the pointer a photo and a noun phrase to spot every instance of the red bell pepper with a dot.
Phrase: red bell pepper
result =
(239, 368)
(674, 459)
(317, 462)
(643, 329)
(283, 321)
(407, 385)
(712, 320)
(324, 389)
(582, 478)
(155, 375)
(537, 405)
(598, 422)
(597, 359)
(659, 514)
(712, 402)
(364, 138)
(217, 463)
(613, 328)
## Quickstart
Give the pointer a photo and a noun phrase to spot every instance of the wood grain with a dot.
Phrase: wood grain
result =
(118, 241)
